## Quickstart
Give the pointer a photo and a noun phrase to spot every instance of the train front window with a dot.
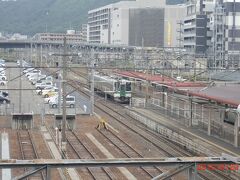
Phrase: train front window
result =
(128, 86)
(122, 87)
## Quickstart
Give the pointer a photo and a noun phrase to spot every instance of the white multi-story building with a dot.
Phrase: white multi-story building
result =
(135, 23)
(71, 36)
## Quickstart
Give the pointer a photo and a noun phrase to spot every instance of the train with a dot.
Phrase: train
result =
(118, 89)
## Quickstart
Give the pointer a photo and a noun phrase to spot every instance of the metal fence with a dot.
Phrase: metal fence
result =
(208, 117)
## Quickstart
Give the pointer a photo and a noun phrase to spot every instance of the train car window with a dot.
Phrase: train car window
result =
(128, 86)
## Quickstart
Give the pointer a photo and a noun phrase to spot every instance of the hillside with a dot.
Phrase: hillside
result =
(32, 16)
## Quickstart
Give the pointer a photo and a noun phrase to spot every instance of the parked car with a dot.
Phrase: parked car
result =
(70, 102)
(3, 77)
(26, 70)
(35, 71)
(4, 93)
(51, 92)
(43, 85)
(4, 100)
(42, 79)
(33, 77)
(50, 98)
(45, 90)
(2, 73)
(3, 83)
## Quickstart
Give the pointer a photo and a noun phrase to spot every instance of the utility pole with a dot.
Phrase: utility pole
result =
(64, 63)
(20, 87)
(64, 93)
(92, 82)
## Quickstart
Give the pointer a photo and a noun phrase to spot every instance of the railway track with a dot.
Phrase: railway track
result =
(117, 114)
(82, 152)
(129, 152)
(163, 144)
(28, 150)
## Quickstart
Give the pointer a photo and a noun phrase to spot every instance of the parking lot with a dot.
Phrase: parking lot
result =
(30, 102)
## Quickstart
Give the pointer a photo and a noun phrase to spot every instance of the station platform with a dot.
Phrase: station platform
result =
(214, 145)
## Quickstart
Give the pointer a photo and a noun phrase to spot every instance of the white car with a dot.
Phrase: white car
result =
(27, 70)
(35, 71)
(35, 77)
(44, 90)
(2, 73)
(48, 99)
(70, 102)
(3, 83)
(43, 85)
(42, 79)
(3, 77)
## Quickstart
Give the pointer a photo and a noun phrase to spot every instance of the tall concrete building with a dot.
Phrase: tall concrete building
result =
(212, 28)
(197, 37)
(232, 32)
(83, 31)
(135, 23)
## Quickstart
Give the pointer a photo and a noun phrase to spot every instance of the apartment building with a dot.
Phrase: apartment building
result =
(83, 31)
(197, 36)
(232, 32)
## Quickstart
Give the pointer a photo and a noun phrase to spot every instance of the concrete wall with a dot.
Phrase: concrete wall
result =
(146, 26)
(173, 16)
(120, 26)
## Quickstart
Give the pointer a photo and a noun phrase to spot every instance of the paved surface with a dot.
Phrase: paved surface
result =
(30, 101)
(56, 154)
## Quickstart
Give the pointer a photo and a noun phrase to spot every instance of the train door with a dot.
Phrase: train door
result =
(122, 90)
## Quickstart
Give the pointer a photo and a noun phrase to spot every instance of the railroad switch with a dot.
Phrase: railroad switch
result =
(102, 123)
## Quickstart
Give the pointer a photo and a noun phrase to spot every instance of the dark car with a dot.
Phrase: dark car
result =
(4, 100)
(3, 93)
